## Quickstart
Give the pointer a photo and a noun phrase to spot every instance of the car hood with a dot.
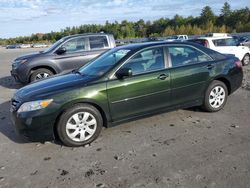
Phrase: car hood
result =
(47, 87)
(29, 56)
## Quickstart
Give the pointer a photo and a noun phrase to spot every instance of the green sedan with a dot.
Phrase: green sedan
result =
(122, 84)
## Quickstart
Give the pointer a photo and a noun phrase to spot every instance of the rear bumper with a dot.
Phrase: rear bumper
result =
(236, 79)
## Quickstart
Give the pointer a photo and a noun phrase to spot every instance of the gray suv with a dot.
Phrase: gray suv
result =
(65, 55)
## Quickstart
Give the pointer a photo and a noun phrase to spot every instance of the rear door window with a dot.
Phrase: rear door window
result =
(185, 55)
(98, 42)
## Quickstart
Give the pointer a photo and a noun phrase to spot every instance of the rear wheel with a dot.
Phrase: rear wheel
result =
(215, 97)
(246, 59)
(40, 74)
(79, 125)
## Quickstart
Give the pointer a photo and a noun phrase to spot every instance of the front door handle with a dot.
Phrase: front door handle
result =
(210, 66)
(163, 76)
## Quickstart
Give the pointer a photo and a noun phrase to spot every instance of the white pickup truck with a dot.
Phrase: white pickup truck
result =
(177, 38)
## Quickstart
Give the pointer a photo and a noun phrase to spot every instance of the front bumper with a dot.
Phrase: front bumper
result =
(20, 74)
(15, 76)
(33, 126)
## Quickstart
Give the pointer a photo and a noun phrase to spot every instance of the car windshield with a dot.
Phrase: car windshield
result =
(54, 45)
(103, 63)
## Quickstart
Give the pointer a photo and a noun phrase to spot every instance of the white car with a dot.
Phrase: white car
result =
(225, 44)
(25, 46)
(177, 38)
(39, 45)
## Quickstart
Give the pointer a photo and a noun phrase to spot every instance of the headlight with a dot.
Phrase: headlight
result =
(34, 105)
(19, 62)
(14, 64)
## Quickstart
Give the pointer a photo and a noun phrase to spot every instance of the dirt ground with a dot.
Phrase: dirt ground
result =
(184, 148)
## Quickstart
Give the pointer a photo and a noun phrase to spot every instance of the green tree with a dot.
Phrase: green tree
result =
(228, 21)
(226, 10)
(207, 15)
(168, 31)
(224, 18)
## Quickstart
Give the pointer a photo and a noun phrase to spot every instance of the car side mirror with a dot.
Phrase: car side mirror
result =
(61, 50)
(123, 72)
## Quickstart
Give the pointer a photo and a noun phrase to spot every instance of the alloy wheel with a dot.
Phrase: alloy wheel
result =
(42, 76)
(217, 97)
(81, 126)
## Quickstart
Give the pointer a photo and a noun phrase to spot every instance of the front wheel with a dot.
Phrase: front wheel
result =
(40, 74)
(79, 125)
(246, 60)
(215, 96)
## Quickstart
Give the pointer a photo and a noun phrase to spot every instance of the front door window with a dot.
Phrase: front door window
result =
(75, 45)
(146, 61)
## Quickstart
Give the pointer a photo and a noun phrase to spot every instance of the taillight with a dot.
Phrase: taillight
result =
(238, 64)
(206, 44)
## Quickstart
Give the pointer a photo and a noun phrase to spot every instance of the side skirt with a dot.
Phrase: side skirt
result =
(149, 114)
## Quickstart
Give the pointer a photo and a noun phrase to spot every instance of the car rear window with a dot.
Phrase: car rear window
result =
(225, 42)
(98, 42)
(215, 55)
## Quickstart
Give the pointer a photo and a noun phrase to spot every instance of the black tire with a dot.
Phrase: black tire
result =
(40, 71)
(245, 60)
(206, 104)
(64, 118)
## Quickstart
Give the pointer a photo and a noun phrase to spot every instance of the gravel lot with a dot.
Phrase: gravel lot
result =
(184, 148)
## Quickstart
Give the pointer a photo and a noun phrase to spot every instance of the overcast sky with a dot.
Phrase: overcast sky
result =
(24, 17)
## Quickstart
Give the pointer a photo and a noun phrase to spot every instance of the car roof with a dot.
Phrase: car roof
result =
(139, 46)
(211, 38)
(86, 34)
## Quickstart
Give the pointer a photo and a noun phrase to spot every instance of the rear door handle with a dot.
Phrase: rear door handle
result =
(163, 76)
(210, 66)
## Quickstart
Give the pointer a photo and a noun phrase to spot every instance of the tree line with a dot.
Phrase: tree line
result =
(228, 20)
